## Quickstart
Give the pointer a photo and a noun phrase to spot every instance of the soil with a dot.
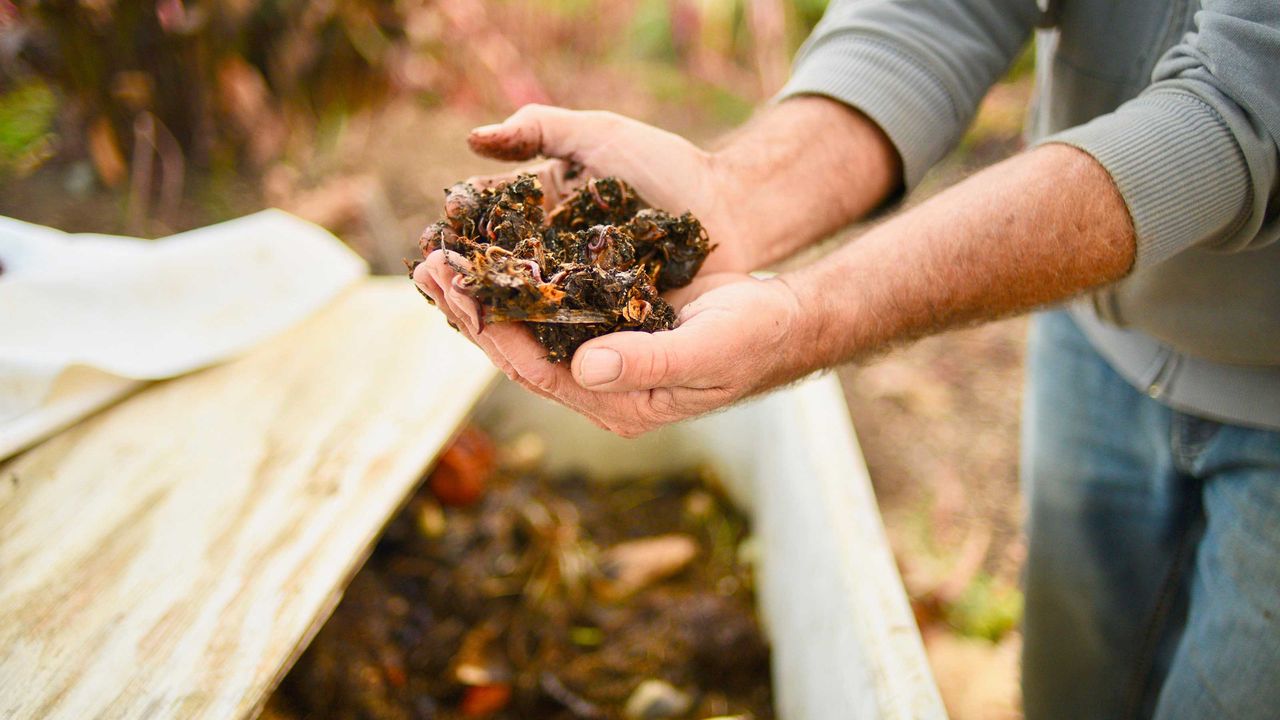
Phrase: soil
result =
(549, 596)
(593, 265)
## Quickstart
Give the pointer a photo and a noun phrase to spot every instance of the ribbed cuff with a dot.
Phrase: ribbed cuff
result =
(896, 91)
(1177, 166)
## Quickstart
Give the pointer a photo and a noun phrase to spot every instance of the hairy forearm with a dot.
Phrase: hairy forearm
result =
(1032, 230)
(799, 171)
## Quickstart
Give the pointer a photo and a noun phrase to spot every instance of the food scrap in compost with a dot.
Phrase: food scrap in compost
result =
(593, 265)
(554, 597)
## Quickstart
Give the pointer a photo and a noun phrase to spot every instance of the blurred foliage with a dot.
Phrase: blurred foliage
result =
(246, 82)
(1024, 65)
(27, 115)
(987, 609)
(216, 76)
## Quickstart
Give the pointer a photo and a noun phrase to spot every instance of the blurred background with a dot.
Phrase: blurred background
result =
(148, 117)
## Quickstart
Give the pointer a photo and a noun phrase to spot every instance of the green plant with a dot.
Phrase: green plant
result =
(27, 115)
(987, 609)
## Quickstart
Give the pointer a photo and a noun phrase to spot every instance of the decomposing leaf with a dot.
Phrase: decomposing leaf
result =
(630, 566)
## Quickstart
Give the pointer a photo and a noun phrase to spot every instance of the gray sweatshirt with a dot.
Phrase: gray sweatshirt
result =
(1179, 100)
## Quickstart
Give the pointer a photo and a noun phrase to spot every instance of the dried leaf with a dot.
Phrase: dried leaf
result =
(631, 566)
(478, 662)
(104, 150)
(482, 700)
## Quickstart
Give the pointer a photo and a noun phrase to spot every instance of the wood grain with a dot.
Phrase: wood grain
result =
(171, 556)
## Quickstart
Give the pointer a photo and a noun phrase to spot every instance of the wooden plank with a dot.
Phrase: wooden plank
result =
(171, 556)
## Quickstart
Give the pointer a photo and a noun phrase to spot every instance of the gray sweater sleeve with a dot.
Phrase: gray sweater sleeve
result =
(917, 68)
(1195, 155)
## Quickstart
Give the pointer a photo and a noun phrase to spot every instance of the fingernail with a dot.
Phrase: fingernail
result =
(487, 130)
(599, 366)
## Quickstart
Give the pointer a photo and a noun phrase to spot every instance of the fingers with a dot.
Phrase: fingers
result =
(527, 360)
(499, 341)
(543, 130)
(439, 280)
(629, 414)
(427, 283)
(466, 308)
(485, 342)
(627, 361)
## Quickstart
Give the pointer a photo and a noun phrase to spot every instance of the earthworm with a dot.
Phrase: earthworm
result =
(598, 238)
(595, 195)
(487, 226)
(534, 269)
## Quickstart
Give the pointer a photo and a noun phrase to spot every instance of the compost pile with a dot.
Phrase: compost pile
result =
(593, 265)
(520, 594)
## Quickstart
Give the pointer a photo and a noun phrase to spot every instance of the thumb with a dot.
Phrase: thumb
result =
(625, 361)
(541, 130)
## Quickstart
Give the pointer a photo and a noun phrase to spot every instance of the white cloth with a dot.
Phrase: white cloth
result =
(86, 318)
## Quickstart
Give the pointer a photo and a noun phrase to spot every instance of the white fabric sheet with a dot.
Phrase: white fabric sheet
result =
(84, 319)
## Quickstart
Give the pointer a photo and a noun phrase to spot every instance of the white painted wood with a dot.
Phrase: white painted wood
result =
(844, 640)
(169, 557)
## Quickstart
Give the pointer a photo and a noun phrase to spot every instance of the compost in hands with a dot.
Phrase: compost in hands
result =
(593, 265)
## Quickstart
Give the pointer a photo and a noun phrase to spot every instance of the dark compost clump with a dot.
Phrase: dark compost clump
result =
(544, 596)
(593, 265)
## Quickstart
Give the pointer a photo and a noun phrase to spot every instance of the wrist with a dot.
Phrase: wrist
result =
(799, 171)
(739, 225)
(807, 344)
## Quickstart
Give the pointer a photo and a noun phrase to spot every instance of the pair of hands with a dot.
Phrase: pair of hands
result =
(734, 333)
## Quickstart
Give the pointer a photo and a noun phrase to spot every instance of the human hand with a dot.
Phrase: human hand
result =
(736, 336)
(668, 171)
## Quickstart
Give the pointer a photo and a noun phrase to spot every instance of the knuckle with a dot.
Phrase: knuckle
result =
(657, 365)
(629, 423)
(542, 378)
(628, 431)
(663, 406)
(606, 119)
(648, 415)
(529, 111)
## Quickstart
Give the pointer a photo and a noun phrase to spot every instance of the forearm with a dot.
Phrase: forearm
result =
(799, 171)
(1032, 230)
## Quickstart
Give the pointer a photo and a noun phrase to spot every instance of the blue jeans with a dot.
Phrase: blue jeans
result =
(1153, 568)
